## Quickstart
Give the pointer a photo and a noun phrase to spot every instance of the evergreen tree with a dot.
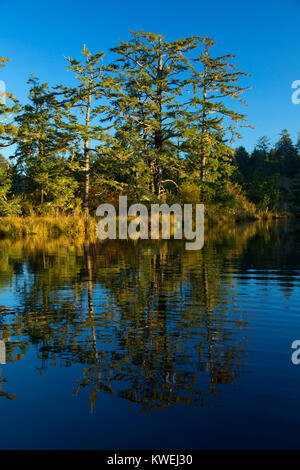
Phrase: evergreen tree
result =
(9, 107)
(259, 157)
(295, 194)
(286, 155)
(243, 162)
(148, 107)
(41, 153)
(84, 105)
(5, 180)
(211, 123)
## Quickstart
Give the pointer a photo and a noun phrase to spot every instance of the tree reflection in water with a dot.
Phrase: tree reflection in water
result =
(148, 321)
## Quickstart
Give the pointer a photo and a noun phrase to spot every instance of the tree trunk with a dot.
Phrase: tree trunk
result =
(158, 139)
(203, 165)
(87, 160)
(203, 127)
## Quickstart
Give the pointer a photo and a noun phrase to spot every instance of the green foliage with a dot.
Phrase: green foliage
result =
(268, 175)
(208, 121)
(42, 146)
(11, 207)
(147, 108)
(8, 110)
(82, 105)
(5, 179)
(157, 123)
(295, 194)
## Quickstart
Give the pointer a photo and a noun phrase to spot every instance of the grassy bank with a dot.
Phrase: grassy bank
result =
(47, 227)
(219, 215)
(78, 227)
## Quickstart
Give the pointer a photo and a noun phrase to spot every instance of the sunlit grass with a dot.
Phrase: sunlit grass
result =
(77, 227)
(45, 227)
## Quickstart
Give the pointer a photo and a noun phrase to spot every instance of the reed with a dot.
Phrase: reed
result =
(48, 227)
(79, 227)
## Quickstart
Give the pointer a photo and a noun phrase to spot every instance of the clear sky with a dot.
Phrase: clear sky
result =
(265, 36)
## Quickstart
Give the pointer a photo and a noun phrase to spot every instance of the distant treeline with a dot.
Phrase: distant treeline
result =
(157, 122)
(270, 177)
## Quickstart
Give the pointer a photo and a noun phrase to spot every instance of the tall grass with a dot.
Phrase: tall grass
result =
(47, 227)
(77, 226)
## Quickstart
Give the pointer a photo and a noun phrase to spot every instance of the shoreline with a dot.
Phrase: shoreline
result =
(82, 227)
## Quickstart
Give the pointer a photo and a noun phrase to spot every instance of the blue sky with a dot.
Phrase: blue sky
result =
(265, 36)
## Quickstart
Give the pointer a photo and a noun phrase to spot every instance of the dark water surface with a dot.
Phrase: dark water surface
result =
(146, 345)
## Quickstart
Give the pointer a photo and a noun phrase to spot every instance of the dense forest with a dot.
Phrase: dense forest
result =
(158, 121)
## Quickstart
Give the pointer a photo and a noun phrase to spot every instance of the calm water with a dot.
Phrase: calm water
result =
(146, 345)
